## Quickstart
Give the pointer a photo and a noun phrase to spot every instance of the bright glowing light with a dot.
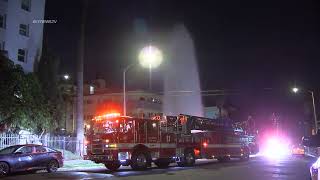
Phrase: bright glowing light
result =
(66, 76)
(86, 142)
(205, 144)
(106, 116)
(316, 165)
(295, 89)
(107, 141)
(111, 115)
(276, 147)
(150, 57)
(154, 125)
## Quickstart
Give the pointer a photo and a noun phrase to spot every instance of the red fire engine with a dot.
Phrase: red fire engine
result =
(116, 140)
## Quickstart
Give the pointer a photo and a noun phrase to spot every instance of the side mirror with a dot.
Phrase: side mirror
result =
(17, 152)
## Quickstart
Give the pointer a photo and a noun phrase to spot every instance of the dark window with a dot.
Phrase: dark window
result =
(40, 149)
(22, 55)
(25, 150)
(26, 5)
(24, 29)
(3, 45)
(3, 19)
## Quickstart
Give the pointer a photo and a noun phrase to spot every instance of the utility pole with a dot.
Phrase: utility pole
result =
(79, 115)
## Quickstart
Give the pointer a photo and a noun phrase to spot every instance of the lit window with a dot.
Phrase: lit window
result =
(91, 89)
(3, 19)
(24, 29)
(26, 5)
(22, 55)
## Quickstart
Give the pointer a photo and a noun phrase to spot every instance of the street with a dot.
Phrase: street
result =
(292, 168)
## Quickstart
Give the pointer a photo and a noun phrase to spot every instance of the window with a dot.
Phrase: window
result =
(24, 29)
(8, 150)
(89, 102)
(3, 20)
(40, 149)
(22, 55)
(50, 150)
(25, 150)
(91, 89)
(2, 45)
(26, 5)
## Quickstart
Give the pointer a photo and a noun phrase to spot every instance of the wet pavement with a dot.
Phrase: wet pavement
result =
(261, 168)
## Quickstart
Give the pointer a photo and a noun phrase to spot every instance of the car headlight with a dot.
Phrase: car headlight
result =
(316, 165)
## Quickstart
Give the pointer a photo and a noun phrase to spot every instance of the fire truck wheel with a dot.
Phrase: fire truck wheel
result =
(223, 159)
(112, 166)
(140, 160)
(188, 159)
(245, 157)
(162, 164)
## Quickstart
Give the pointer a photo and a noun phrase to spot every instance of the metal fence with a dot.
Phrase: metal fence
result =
(8, 140)
(69, 146)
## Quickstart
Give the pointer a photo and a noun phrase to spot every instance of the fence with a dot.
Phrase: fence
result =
(69, 146)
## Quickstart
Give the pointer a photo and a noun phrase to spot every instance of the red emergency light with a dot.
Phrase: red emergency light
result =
(107, 116)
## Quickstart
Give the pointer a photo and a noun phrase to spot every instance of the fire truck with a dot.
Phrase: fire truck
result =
(116, 140)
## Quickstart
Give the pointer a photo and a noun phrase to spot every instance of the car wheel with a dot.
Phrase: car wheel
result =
(140, 160)
(4, 169)
(52, 166)
(113, 166)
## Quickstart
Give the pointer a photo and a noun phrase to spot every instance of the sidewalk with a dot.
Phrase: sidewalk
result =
(80, 165)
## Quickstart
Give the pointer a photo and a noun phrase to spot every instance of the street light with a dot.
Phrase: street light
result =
(296, 90)
(149, 57)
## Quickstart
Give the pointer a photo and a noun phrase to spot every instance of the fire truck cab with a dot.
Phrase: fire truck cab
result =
(116, 140)
(120, 140)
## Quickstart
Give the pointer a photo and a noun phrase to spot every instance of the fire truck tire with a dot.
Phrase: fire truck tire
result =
(188, 159)
(113, 166)
(162, 164)
(223, 159)
(245, 157)
(140, 160)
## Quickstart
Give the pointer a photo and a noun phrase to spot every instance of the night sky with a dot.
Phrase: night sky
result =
(247, 46)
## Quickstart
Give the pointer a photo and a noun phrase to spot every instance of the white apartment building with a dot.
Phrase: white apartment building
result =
(20, 38)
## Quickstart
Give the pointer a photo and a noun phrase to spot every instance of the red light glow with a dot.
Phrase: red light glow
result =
(205, 144)
(86, 142)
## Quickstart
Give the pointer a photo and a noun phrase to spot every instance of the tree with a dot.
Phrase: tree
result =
(22, 104)
(48, 73)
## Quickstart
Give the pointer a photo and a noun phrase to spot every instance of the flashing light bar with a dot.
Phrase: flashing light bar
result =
(107, 116)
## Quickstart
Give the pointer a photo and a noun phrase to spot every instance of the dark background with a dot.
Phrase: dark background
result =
(258, 48)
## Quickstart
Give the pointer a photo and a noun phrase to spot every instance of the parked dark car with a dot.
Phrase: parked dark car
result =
(29, 157)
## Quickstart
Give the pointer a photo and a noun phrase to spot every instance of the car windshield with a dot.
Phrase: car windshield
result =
(8, 150)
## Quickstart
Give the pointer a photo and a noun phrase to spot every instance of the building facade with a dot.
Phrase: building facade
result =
(99, 100)
(20, 34)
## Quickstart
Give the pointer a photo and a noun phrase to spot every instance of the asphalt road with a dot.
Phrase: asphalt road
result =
(260, 168)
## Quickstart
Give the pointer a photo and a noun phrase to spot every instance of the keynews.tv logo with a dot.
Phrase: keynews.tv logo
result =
(38, 21)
